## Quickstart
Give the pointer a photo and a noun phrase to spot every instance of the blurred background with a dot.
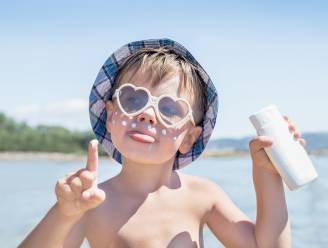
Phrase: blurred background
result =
(256, 53)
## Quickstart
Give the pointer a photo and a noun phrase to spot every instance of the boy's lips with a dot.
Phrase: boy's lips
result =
(141, 136)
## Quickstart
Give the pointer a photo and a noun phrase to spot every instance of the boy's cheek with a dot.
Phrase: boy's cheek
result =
(113, 116)
(176, 139)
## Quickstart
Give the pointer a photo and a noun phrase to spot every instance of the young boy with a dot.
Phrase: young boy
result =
(153, 108)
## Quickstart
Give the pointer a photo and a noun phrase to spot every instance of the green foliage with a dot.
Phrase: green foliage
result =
(21, 137)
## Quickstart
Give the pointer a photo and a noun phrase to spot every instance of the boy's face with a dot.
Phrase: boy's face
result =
(143, 138)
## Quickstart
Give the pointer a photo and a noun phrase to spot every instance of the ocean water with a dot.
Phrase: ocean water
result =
(27, 192)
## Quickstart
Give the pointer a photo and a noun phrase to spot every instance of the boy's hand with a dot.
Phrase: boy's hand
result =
(78, 191)
(258, 154)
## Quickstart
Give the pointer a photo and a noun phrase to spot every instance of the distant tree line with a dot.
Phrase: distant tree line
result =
(18, 136)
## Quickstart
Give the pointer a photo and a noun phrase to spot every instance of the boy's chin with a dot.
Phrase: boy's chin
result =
(145, 153)
(144, 157)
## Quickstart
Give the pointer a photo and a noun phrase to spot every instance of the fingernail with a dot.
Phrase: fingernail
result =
(94, 142)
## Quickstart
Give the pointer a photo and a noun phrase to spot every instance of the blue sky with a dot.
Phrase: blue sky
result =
(256, 53)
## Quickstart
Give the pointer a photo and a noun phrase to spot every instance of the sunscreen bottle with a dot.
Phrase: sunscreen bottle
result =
(286, 153)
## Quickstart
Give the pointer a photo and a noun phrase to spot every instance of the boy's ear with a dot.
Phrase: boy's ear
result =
(109, 110)
(190, 139)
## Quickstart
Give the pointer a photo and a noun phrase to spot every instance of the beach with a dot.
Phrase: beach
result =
(27, 190)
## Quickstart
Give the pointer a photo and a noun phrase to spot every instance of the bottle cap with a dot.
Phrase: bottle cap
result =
(265, 116)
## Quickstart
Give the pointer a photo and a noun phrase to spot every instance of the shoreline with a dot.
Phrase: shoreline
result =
(74, 156)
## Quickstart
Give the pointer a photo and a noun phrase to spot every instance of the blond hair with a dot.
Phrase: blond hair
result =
(163, 62)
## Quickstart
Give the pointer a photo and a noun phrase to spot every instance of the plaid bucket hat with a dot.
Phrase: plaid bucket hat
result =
(101, 92)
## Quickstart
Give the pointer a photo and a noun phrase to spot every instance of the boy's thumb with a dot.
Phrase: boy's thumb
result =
(94, 196)
(259, 142)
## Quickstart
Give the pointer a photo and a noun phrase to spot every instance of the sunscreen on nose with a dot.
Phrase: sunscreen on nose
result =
(286, 154)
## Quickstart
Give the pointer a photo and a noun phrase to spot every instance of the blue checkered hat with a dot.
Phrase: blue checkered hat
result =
(100, 93)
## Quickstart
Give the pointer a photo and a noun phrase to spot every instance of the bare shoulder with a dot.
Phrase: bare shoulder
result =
(204, 190)
(200, 184)
(210, 190)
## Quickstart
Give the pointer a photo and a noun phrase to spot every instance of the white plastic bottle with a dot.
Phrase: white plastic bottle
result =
(286, 153)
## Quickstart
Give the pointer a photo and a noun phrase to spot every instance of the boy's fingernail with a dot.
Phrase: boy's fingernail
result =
(94, 142)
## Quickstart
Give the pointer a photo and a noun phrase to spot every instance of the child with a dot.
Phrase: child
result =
(153, 108)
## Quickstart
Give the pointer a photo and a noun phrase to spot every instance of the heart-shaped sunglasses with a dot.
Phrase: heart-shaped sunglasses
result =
(172, 112)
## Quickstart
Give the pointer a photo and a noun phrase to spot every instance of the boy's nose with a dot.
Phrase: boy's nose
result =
(147, 116)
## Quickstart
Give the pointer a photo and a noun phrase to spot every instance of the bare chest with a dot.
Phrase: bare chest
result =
(154, 222)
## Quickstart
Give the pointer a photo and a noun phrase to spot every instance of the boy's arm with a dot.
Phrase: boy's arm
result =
(53, 230)
(231, 226)
(76, 194)
(272, 228)
(272, 224)
(235, 229)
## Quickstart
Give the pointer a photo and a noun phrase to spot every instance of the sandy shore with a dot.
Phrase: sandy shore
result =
(40, 156)
(69, 156)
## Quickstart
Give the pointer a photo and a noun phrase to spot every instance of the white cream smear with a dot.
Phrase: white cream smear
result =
(149, 127)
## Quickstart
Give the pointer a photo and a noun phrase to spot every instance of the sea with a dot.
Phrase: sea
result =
(27, 193)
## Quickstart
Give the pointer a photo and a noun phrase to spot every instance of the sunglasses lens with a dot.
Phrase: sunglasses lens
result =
(132, 100)
(172, 111)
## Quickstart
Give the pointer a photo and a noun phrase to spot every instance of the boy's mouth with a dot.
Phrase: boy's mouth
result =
(141, 137)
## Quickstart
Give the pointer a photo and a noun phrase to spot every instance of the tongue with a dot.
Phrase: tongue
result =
(142, 137)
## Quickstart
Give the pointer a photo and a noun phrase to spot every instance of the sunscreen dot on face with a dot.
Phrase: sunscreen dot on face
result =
(149, 127)
(115, 113)
(174, 138)
(164, 131)
(124, 123)
(133, 125)
(113, 121)
(130, 117)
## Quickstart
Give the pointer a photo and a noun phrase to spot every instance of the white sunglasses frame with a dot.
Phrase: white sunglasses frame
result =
(153, 102)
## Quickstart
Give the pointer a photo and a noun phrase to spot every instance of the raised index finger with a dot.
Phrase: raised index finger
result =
(92, 161)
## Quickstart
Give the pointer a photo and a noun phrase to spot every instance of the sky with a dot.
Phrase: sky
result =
(257, 53)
